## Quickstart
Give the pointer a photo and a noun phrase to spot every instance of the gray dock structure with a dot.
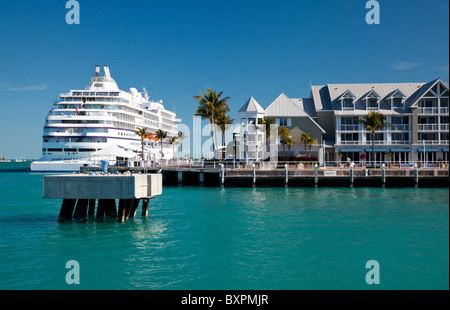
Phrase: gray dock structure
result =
(80, 192)
(290, 176)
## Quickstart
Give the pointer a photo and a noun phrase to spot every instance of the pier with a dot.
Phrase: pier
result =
(82, 193)
(249, 175)
(308, 177)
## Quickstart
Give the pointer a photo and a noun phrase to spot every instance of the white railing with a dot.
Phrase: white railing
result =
(428, 127)
(430, 110)
(443, 110)
(400, 127)
(354, 127)
(429, 142)
(396, 142)
(350, 142)
(445, 127)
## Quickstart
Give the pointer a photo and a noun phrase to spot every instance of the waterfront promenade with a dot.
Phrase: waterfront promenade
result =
(293, 175)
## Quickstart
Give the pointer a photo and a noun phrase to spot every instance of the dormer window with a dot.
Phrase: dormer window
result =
(397, 100)
(372, 100)
(348, 101)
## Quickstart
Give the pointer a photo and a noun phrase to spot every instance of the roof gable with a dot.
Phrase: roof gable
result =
(251, 106)
(283, 106)
(372, 94)
(348, 95)
(397, 94)
(428, 88)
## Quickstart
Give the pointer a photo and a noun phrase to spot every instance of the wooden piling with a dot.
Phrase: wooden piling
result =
(66, 210)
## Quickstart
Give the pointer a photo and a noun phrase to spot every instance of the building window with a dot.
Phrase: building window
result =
(347, 104)
(400, 157)
(379, 138)
(379, 158)
(397, 103)
(372, 104)
(400, 138)
(349, 123)
(349, 138)
(285, 122)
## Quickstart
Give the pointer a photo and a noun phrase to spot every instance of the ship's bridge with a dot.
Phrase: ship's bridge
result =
(105, 82)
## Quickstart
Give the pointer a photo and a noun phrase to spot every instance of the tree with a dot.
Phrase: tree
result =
(290, 141)
(222, 120)
(161, 135)
(308, 141)
(283, 133)
(143, 134)
(372, 122)
(210, 106)
(181, 136)
(172, 141)
(267, 121)
(311, 141)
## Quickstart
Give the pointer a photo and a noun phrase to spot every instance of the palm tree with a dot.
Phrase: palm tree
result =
(143, 134)
(305, 138)
(222, 121)
(210, 106)
(290, 141)
(311, 141)
(283, 133)
(181, 136)
(372, 122)
(267, 121)
(172, 141)
(161, 135)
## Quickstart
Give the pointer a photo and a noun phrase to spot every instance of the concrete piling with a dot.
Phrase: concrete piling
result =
(145, 204)
(91, 210)
(134, 207)
(100, 210)
(110, 207)
(121, 212)
(81, 210)
(66, 210)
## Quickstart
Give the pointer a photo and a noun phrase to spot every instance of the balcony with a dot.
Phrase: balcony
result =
(443, 110)
(428, 127)
(401, 127)
(400, 142)
(354, 127)
(350, 142)
(429, 142)
(428, 111)
(444, 127)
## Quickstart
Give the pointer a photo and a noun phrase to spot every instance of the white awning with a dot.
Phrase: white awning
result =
(115, 150)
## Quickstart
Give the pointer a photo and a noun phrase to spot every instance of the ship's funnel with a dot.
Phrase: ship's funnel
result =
(106, 69)
(97, 71)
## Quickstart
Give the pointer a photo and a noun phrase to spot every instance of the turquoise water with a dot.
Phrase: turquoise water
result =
(232, 238)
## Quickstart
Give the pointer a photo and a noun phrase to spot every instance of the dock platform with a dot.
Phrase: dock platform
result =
(81, 191)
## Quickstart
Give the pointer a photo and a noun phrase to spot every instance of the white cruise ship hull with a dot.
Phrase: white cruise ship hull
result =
(83, 123)
(57, 166)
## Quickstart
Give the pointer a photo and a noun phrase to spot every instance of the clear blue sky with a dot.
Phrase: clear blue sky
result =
(178, 48)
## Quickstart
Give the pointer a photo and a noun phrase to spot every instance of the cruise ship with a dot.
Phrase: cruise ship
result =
(99, 122)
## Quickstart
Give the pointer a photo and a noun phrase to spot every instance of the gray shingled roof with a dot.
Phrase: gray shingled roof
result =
(326, 97)
(285, 107)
